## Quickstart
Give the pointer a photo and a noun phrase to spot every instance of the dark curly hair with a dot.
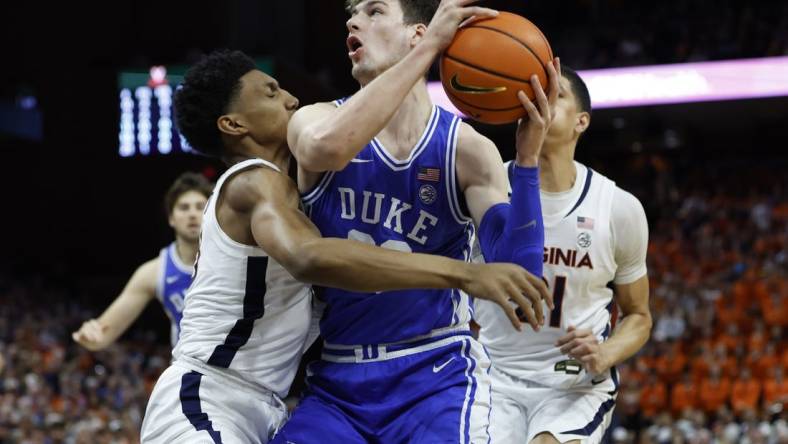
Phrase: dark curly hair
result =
(183, 184)
(414, 11)
(209, 87)
(579, 88)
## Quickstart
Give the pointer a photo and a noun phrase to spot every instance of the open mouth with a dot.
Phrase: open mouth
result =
(354, 44)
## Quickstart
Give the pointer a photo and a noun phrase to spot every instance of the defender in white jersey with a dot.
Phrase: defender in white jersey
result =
(560, 384)
(247, 315)
(165, 277)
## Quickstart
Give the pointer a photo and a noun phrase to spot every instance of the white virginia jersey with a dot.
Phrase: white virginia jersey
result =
(579, 263)
(245, 314)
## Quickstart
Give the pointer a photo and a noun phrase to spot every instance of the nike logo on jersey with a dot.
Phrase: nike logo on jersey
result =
(531, 224)
(360, 160)
(471, 89)
(171, 279)
(436, 369)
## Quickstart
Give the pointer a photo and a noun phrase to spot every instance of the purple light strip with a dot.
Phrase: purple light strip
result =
(676, 83)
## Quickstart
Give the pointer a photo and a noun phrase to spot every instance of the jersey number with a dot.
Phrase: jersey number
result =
(558, 301)
(390, 244)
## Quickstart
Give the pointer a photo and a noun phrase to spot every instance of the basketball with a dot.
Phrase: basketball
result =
(489, 61)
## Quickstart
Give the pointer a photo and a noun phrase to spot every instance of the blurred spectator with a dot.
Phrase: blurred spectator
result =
(745, 393)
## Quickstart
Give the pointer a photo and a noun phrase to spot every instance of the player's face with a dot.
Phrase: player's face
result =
(264, 108)
(569, 120)
(186, 215)
(377, 38)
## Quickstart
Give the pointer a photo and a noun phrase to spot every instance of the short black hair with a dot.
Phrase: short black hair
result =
(208, 88)
(414, 11)
(183, 184)
(579, 88)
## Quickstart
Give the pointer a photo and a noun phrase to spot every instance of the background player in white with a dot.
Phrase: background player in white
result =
(559, 384)
(246, 316)
(165, 277)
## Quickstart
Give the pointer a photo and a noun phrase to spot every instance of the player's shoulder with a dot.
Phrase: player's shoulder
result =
(248, 188)
(147, 274)
(310, 111)
(474, 146)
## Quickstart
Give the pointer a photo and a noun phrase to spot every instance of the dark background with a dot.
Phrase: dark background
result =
(77, 219)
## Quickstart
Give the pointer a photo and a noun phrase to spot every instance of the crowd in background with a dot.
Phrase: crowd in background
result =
(715, 370)
(608, 33)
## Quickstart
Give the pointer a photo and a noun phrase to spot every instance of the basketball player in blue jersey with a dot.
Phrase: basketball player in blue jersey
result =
(247, 315)
(559, 385)
(389, 168)
(165, 277)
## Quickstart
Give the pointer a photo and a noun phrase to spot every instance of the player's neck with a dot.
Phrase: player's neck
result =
(186, 251)
(408, 122)
(557, 172)
(279, 156)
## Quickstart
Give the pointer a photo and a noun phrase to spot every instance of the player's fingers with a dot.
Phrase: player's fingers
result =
(541, 98)
(530, 108)
(525, 310)
(474, 13)
(75, 336)
(554, 85)
(541, 287)
(565, 339)
(510, 312)
(571, 329)
(579, 351)
(557, 63)
(569, 346)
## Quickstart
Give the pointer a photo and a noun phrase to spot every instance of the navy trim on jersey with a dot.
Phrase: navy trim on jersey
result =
(586, 187)
(609, 309)
(401, 165)
(190, 404)
(614, 377)
(591, 427)
(254, 309)
(312, 195)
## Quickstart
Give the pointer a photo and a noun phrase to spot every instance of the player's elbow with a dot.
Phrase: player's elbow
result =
(320, 152)
(309, 265)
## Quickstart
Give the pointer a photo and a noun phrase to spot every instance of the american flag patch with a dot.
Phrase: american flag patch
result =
(585, 222)
(429, 174)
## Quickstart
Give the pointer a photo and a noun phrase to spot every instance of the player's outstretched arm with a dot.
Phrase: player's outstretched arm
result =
(325, 138)
(287, 235)
(97, 334)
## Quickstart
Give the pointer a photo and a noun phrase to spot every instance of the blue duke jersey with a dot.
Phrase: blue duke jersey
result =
(410, 205)
(175, 277)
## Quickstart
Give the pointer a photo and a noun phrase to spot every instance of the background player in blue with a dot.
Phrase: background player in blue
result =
(165, 277)
(388, 167)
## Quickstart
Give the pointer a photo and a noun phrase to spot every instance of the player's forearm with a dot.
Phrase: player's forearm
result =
(628, 338)
(118, 317)
(515, 232)
(345, 132)
(359, 267)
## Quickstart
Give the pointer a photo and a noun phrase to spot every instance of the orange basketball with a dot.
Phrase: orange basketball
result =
(491, 60)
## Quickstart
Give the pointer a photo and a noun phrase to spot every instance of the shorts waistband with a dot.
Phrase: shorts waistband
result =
(382, 352)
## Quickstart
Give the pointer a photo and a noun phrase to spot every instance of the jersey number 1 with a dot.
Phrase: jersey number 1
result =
(558, 301)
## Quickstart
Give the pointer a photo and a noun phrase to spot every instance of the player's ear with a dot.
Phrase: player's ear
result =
(231, 125)
(583, 122)
(171, 221)
(418, 31)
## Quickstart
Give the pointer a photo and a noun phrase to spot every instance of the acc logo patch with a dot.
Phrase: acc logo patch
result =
(428, 194)
(584, 239)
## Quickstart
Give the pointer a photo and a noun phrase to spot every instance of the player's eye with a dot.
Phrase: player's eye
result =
(376, 11)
